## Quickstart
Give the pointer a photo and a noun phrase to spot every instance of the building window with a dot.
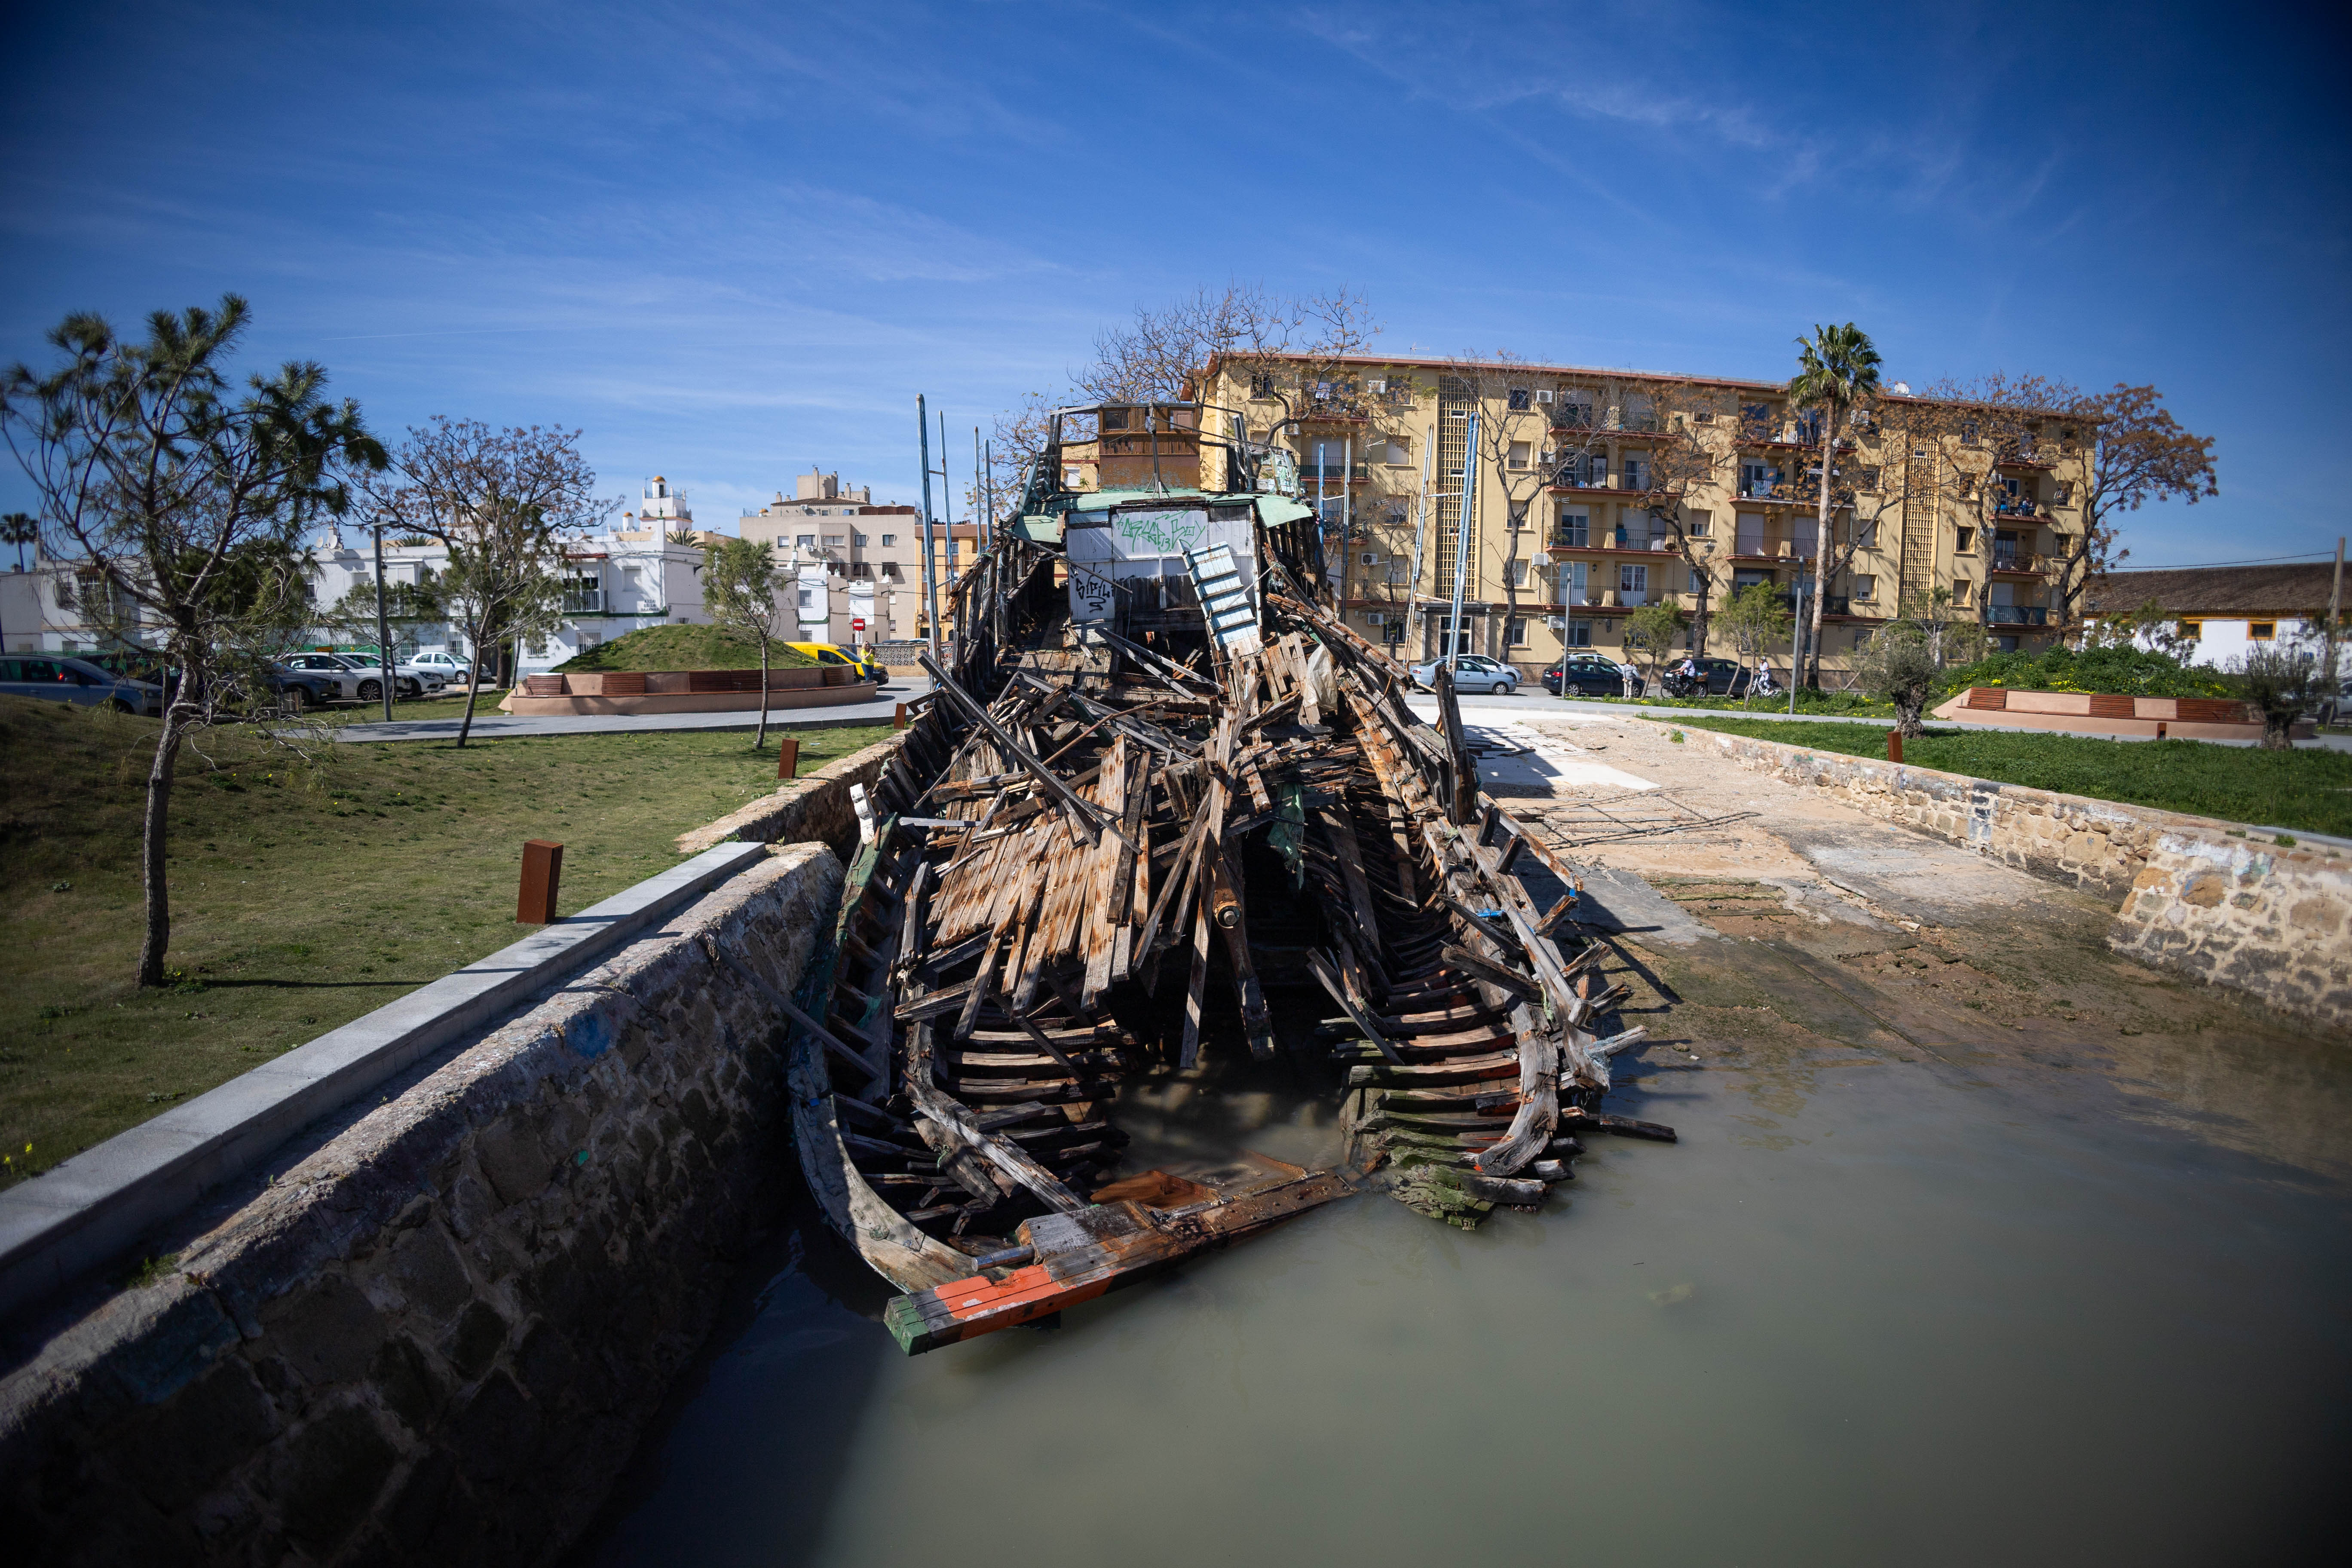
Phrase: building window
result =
(1397, 452)
(2261, 631)
(1866, 536)
(1521, 398)
(1579, 633)
(860, 541)
(1519, 454)
(1865, 586)
(2192, 631)
(1867, 478)
(1699, 525)
(1959, 590)
(1518, 518)
(807, 541)
(1636, 475)
(833, 541)
(1515, 631)
(1515, 574)
(1575, 530)
(1966, 542)
(1573, 583)
(1633, 579)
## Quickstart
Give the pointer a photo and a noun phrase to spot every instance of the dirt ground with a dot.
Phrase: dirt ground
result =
(1761, 923)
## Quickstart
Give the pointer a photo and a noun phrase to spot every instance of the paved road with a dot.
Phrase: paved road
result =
(489, 723)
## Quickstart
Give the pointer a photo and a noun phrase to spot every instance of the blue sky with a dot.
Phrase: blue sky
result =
(733, 241)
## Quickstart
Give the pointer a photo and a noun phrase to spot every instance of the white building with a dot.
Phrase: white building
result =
(849, 561)
(2219, 613)
(635, 574)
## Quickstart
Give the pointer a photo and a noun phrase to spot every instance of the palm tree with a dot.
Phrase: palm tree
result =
(19, 528)
(1837, 367)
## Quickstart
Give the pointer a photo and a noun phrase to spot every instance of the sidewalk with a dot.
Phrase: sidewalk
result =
(491, 724)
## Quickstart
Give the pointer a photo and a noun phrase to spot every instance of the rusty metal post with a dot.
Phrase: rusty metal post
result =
(542, 870)
(1894, 745)
(788, 756)
(898, 720)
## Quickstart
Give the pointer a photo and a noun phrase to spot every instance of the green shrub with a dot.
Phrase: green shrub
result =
(2122, 672)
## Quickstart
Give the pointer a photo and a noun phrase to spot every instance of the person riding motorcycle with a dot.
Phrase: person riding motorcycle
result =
(1684, 678)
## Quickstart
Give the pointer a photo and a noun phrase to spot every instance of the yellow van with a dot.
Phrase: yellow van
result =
(868, 667)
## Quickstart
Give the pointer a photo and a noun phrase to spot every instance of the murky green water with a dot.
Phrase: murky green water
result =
(1955, 1309)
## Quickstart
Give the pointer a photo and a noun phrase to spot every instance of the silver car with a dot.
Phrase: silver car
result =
(58, 678)
(1472, 672)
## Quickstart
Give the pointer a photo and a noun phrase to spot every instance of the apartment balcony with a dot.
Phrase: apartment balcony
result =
(1566, 542)
(2016, 616)
(1783, 551)
(584, 602)
(1563, 480)
(2019, 563)
(2029, 459)
(1335, 473)
(2021, 511)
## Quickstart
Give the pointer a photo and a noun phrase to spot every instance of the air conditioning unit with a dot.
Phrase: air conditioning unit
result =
(1543, 395)
(1371, 557)
(1373, 618)
(1557, 623)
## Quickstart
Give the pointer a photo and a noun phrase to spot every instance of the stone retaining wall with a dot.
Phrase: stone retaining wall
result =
(436, 1337)
(2207, 898)
(816, 807)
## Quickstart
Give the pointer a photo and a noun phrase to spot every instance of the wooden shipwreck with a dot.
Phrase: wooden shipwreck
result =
(1140, 737)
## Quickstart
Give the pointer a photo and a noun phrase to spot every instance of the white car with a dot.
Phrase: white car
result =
(452, 669)
(358, 680)
(1472, 672)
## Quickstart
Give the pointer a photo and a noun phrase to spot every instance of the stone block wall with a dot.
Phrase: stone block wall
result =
(816, 807)
(2272, 921)
(2204, 896)
(435, 1338)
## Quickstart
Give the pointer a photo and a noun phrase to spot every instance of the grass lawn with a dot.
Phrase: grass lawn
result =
(302, 895)
(2306, 788)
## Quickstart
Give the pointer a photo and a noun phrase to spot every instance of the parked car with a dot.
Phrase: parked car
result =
(1718, 677)
(362, 679)
(327, 668)
(1586, 675)
(59, 678)
(1472, 672)
(296, 689)
(408, 679)
(861, 660)
(454, 670)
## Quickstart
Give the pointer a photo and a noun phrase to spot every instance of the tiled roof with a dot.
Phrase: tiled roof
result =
(2292, 590)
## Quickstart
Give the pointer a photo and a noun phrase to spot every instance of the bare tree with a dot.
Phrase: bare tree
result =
(1511, 455)
(505, 502)
(1693, 445)
(2133, 452)
(1157, 356)
(185, 507)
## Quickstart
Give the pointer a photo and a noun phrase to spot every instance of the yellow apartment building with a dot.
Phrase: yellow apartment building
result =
(1599, 491)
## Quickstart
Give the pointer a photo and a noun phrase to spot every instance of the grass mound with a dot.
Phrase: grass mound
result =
(681, 647)
(2308, 789)
(303, 894)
